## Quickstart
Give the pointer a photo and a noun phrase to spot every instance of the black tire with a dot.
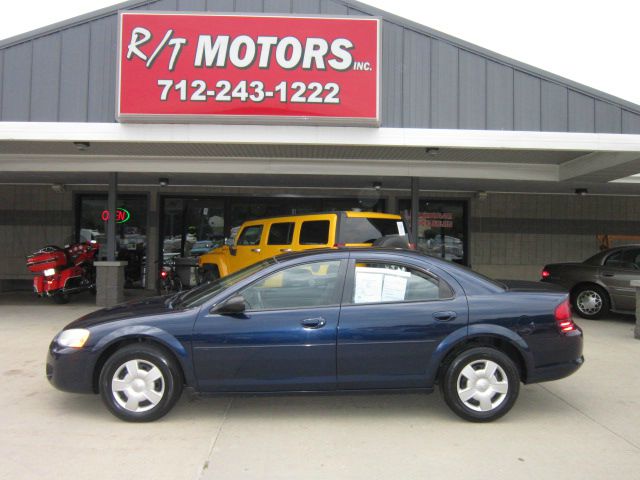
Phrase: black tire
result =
(493, 395)
(590, 301)
(135, 400)
(60, 298)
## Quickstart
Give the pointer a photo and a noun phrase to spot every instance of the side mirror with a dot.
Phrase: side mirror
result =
(232, 306)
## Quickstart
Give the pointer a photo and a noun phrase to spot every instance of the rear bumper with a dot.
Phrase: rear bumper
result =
(562, 356)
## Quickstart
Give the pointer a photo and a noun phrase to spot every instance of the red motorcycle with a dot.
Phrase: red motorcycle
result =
(63, 271)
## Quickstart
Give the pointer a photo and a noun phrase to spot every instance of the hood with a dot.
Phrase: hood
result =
(527, 286)
(136, 308)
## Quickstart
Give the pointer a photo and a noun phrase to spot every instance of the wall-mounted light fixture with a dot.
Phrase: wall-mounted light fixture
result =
(581, 191)
(163, 181)
(432, 151)
(377, 185)
(58, 188)
(82, 146)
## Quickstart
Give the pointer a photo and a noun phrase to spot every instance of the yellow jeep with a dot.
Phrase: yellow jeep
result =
(264, 238)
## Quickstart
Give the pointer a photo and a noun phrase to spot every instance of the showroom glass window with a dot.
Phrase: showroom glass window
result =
(377, 282)
(302, 286)
(442, 228)
(131, 230)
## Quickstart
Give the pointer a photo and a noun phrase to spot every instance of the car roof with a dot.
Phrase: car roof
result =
(599, 257)
(350, 214)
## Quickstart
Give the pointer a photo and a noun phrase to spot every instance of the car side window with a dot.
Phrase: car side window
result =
(302, 286)
(625, 259)
(314, 232)
(376, 282)
(250, 235)
(281, 233)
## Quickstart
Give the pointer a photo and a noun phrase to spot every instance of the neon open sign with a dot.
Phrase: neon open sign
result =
(122, 215)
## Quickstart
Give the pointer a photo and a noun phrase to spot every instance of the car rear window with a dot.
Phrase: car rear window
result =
(368, 230)
(315, 232)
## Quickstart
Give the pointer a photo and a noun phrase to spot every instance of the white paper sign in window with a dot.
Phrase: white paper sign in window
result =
(374, 285)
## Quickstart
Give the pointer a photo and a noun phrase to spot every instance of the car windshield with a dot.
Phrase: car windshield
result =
(197, 296)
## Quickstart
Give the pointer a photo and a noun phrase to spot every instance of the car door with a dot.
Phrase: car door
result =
(247, 249)
(286, 338)
(616, 274)
(394, 314)
(279, 238)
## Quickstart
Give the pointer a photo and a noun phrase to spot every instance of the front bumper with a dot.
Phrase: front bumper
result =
(70, 369)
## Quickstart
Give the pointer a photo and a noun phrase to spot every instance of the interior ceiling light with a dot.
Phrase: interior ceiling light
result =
(377, 185)
(581, 191)
(82, 146)
(163, 181)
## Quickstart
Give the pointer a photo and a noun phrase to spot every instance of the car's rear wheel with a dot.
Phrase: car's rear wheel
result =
(481, 384)
(590, 301)
(140, 383)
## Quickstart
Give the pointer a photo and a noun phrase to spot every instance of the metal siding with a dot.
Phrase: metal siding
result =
(220, 5)
(608, 118)
(74, 74)
(277, 6)
(333, 8)
(164, 5)
(102, 72)
(416, 82)
(526, 102)
(554, 102)
(581, 113)
(305, 6)
(499, 97)
(16, 95)
(630, 122)
(191, 5)
(249, 6)
(391, 101)
(45, 80)
(444, 85)
(473, 91)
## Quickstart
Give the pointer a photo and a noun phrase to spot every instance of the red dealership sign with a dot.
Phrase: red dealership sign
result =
(259, 69)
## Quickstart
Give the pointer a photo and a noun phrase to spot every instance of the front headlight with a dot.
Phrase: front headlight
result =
(49, 271)
(74, 338)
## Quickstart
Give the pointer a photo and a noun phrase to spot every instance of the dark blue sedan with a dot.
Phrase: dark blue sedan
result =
(327, 320)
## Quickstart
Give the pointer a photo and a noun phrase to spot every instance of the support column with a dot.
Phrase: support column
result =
(110, 274)
(636, 284)
(415, 209)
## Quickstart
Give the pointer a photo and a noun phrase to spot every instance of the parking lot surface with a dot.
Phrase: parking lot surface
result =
(584, 426)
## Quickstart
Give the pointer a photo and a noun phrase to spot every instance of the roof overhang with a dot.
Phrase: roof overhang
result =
(197, 148)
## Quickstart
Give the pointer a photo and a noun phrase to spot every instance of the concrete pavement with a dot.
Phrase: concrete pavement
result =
(584, 426)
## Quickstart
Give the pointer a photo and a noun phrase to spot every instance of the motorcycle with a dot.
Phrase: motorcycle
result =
(61, 272)
(169, 279)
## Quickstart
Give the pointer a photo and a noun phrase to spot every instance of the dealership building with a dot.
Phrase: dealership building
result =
(218, 111)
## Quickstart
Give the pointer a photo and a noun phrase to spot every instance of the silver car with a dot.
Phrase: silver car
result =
(601, 283)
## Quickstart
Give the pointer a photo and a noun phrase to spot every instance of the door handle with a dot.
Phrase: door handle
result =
(312, 323)
(445, 316)
(257, 250)
(286, 250)
(607, 274)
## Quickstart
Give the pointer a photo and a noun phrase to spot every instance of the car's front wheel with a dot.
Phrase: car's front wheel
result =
(590, 301)
(140, 383)
(481, 384)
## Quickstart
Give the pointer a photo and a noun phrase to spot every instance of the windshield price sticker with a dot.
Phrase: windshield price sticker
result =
(217, 68)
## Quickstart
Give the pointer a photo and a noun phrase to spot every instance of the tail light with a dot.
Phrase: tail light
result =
(563, 316)
(412, 246)
(545, 273)
(339, 245)
(163, 274)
